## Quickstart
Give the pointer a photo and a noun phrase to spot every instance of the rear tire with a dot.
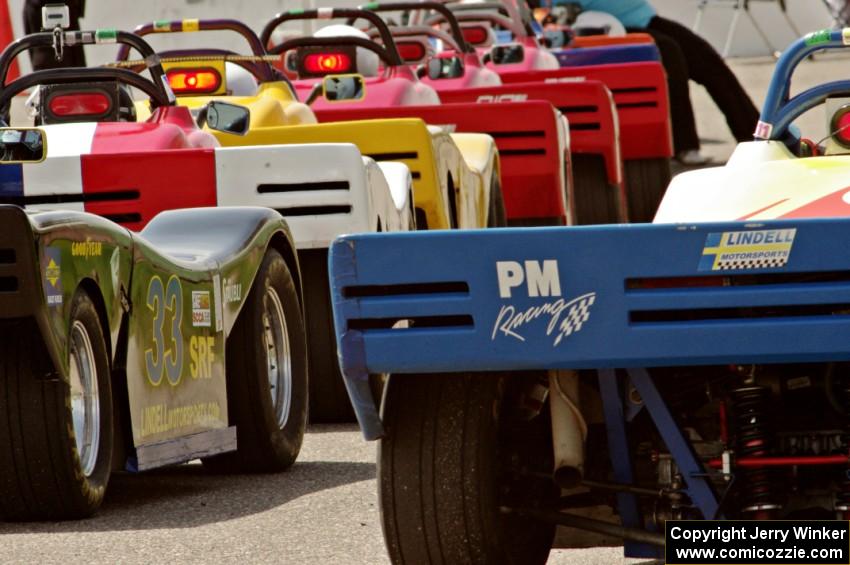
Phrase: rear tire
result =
(329, 401)
(440, 475)
(55, 435)
(646, 182)
(497, 217)
(266, 375)
(596, 200)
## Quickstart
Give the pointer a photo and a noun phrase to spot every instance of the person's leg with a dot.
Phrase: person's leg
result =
(710, 70)
(685, 136)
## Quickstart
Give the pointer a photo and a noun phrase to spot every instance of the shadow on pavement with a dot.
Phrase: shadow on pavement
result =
(188, 496)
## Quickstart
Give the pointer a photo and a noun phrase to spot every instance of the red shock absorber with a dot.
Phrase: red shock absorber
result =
(752, 439)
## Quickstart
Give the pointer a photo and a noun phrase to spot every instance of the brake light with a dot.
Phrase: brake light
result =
(80, 104)
(840, 126)
(327, 63)
(411, 51)
(194, 81)
(475, 35)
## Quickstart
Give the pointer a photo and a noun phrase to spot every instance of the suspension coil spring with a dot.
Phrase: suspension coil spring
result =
(753, 440)
(842, 497)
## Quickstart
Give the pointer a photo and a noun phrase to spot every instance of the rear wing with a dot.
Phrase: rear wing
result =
(527, 135)
(588, 106)
(640, 93)
(588, 298)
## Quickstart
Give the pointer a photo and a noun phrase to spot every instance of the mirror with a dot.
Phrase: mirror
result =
(339, 88)
(445, 67)
(507, 54)
(22, 145)
(229, 118)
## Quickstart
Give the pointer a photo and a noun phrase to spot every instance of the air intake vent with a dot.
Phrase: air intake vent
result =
(302, 187)
(8, 284)
(314, 210)
(110, 196)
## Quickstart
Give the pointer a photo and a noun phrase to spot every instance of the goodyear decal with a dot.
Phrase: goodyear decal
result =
(53, 275)
(755, 249)
(87, 248)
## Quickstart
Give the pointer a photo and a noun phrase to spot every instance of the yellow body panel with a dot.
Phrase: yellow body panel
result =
(438, 161)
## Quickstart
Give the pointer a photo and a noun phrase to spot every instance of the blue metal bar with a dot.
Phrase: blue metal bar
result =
(621, 460)
(698, 486)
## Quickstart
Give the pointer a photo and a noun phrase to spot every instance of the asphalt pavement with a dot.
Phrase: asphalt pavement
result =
(324, 510)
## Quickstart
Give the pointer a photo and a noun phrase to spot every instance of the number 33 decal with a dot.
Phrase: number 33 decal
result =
(166, 356)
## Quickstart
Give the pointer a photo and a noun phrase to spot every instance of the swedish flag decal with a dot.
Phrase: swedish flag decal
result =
(755, 249)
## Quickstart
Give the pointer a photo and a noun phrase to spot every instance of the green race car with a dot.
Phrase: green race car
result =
(125, 350)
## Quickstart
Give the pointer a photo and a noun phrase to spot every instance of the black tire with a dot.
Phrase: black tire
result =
(646, 181)
(597, 201)
(41, 470)
(497, 217)
(441, 475)
(264, 445)
(329, 401)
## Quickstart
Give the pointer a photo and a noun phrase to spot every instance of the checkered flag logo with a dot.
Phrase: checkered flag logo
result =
(771, 263)
(577, 314)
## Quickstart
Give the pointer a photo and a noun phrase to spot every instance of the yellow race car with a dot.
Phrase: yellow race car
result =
(455, 175)
(245, 101)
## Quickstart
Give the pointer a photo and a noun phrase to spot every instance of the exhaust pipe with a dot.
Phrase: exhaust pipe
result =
(569, 430)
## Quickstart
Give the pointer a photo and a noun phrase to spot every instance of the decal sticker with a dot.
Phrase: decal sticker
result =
(201, 356)
(502, 98)
(161, 418)
(190, 25)
(162, 26)
(232, 292)
(325, 13)
(763, 130)
(818, 37)
(53, 275)
(540, 279)
(86, 249)
(105, 36)
(755, 249)
(565, 79)
(219, 311)
(565, 317)
(201, 315)
(165, 356)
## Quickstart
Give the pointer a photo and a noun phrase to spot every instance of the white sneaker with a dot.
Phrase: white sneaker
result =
(692, 158)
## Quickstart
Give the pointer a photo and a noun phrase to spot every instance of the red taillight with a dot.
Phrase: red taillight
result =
(80, 104)
(840, 126)
(411, 51)
(327, 63)
(475, 35)
(194, 81)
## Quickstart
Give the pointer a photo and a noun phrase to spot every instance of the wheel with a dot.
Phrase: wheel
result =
(442, 474)
(55, 435)
(266, 363)
(329, 401)
(597, 201)
(496, 215)
(646, 181)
